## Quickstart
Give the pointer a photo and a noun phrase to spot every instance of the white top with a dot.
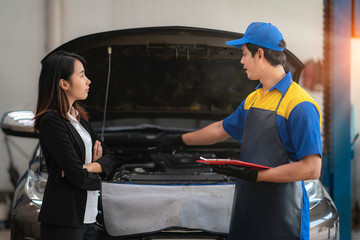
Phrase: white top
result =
(92, 196)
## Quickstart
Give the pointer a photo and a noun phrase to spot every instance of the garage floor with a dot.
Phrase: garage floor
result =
(356, 234)
(5, 234)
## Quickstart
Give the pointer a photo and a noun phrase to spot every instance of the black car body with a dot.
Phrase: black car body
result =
(157, 83)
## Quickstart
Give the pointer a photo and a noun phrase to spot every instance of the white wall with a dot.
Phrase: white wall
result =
(299, 21)
(21, 47)
(30, 29)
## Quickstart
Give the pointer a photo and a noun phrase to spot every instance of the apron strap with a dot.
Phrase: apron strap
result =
(279, 103)
(253, 102)
(282, 97)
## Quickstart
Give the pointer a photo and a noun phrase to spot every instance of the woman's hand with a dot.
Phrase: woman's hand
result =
(95, 167)
(91, 167)
(97, 153)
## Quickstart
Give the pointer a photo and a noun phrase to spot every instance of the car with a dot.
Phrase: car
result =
(151, 84)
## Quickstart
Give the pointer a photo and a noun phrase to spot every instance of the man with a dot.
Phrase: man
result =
(279, 126)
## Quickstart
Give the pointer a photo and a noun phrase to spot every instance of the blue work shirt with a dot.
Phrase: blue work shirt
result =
(298, 117)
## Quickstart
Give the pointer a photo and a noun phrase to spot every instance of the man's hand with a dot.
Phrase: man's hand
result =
(171, 144)
(237, 172)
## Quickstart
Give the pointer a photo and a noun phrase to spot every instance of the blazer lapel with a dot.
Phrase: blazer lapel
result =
(78, 140)
(87, 129)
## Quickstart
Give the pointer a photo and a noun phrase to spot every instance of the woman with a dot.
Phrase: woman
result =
(73, 155)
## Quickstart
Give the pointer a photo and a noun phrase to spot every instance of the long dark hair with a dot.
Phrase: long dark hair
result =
(51, 97)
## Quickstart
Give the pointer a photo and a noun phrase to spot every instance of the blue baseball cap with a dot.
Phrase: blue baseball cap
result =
(262, 34)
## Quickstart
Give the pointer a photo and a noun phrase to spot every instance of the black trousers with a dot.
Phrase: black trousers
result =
(54, 232)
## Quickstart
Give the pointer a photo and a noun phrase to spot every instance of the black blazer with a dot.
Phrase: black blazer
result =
(64, 199)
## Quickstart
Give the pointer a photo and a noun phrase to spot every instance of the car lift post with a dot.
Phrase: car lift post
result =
(337, 111)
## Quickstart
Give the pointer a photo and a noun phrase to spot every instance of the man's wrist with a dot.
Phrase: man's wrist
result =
(181, 140)
(260, 175)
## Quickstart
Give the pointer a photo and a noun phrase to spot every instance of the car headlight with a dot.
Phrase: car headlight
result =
(35, 187)
(314, 192)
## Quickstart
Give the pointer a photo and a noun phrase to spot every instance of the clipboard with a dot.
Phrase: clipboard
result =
(216, 161)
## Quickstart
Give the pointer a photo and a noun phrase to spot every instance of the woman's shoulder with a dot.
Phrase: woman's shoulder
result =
(50, 114)
(50, 118)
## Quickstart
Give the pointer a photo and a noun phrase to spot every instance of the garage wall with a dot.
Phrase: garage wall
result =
(299, 21)
(22, 41)
(30, 29)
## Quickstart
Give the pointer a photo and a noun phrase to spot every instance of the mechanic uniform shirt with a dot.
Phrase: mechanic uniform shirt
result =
(297, 122)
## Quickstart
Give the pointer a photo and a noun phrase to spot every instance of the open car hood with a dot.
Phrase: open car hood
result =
(166, 72)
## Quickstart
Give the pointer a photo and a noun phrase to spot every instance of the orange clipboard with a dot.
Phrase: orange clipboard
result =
(216, 161)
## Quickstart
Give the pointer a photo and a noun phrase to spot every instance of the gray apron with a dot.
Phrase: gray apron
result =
(264, 210)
